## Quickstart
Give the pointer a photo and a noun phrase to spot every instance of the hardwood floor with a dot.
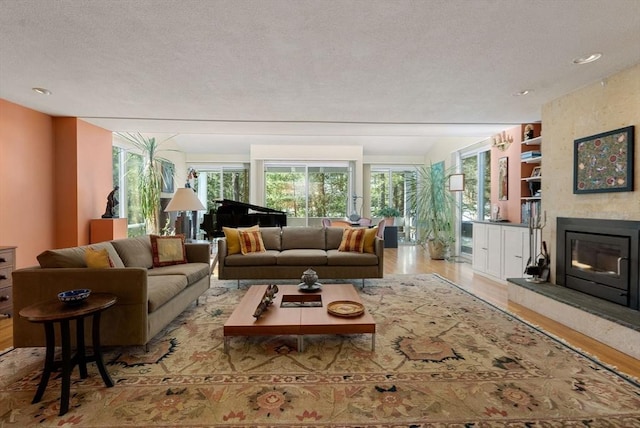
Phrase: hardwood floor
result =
(412, 259)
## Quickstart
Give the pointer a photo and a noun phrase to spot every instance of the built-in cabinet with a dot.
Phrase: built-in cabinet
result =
(500, 250)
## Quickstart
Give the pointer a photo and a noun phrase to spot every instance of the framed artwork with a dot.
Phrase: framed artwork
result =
(456, 182)
(536, 171)
(604, 162)
(503, 179)
(166, 169)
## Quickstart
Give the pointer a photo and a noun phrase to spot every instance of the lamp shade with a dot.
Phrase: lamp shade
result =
(185, 199)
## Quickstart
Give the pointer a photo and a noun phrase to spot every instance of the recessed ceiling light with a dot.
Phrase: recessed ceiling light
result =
(522, 93)
(587, 59)
(41, 91)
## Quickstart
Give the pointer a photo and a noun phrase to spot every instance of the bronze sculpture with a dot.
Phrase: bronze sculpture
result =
(112, 203)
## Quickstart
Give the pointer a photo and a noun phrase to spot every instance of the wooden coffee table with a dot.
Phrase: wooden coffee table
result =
(300, 320)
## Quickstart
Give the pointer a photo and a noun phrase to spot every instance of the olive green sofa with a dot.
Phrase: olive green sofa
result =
(148, 298)
(291, 250)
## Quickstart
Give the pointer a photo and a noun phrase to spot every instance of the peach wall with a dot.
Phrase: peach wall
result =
(26, 181)
(83, 179)
(509, 209)
(55, 175)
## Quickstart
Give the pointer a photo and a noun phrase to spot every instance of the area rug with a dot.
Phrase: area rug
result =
(443, 358)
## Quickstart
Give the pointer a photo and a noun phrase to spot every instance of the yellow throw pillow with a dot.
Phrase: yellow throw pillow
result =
(97, 258)
(168, 250)
(352, 240)
(251, 241)
(233, 239)
(370, 239)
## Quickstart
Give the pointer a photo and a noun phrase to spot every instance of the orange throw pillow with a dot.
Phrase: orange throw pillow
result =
(352, 240)
(168, 250)
(97, 258)
(251, 241)
(233, 239)
(370, 239)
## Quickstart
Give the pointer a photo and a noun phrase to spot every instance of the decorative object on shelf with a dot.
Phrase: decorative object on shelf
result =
(604, 162)
(503, 179)
(74, 297)
(502, 141)
(536, 171)
(309, 281)
(528, 132)
(345, 308)
(112, 202)
(267, 300)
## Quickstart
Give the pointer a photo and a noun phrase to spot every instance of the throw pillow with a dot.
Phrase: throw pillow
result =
(97, 258)
(352, 240)
(370, 239)
(233, 239)
(168, 250)
(251, 241)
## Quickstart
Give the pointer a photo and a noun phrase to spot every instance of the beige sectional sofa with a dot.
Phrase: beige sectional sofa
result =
(149, 297)
(292, 250)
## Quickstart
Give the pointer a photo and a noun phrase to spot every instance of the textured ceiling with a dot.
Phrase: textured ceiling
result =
(226, 74)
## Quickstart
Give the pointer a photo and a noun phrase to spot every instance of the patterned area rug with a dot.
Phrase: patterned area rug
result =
(443, 358)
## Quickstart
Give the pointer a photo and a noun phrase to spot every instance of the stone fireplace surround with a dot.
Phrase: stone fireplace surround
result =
(613, 324)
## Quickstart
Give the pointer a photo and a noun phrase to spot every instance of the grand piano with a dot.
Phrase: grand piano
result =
(239, 214)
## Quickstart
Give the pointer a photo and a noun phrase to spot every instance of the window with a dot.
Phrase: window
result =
(476, 198)
(389, 189)
(307, 192)
(126, 167)
(226, 182)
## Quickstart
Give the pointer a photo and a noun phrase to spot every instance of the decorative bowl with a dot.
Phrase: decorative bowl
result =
(74, 297)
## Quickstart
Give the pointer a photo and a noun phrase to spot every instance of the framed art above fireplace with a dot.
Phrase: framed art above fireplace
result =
(604, 162)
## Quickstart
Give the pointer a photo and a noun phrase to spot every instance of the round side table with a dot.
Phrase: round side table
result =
(52, 311)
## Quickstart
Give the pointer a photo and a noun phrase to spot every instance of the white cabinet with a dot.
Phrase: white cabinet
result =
(500, 250)
(515, 251)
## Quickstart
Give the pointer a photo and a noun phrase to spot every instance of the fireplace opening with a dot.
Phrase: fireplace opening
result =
(599, 258)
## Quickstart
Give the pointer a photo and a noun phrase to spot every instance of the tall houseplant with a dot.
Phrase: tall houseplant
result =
(150, 177)
(435, 209)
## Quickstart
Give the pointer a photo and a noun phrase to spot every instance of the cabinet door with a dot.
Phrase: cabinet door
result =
(494, 250)
(515, 249)
(479, 247)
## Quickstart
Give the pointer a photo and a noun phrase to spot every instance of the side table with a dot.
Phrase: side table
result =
(53, 311)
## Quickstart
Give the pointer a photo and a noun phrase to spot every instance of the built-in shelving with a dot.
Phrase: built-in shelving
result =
(535, 159)
(533, 141)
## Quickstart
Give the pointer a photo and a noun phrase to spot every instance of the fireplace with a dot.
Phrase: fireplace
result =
(600, 258)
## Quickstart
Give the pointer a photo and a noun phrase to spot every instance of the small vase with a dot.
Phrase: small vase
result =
(309, 277)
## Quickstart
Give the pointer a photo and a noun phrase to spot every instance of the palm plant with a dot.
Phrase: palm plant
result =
(434, 208)
(150, 177)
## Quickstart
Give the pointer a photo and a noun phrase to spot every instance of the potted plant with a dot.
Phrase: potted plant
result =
(150, 177)
(435, 209)
(389, 214)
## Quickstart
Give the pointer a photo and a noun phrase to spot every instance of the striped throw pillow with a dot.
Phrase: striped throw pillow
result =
(352, 240)
(251, 241)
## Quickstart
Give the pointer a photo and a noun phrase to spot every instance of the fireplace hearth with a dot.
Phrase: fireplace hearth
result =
(600, 257)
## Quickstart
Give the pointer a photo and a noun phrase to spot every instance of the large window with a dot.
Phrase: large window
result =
(307, 192)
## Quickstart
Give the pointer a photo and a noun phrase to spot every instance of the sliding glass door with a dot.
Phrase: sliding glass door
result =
(476, 198)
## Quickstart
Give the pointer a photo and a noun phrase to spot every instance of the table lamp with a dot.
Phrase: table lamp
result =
(185, 200)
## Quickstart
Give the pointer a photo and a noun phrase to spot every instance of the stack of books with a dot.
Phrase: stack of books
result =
(530, 154)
